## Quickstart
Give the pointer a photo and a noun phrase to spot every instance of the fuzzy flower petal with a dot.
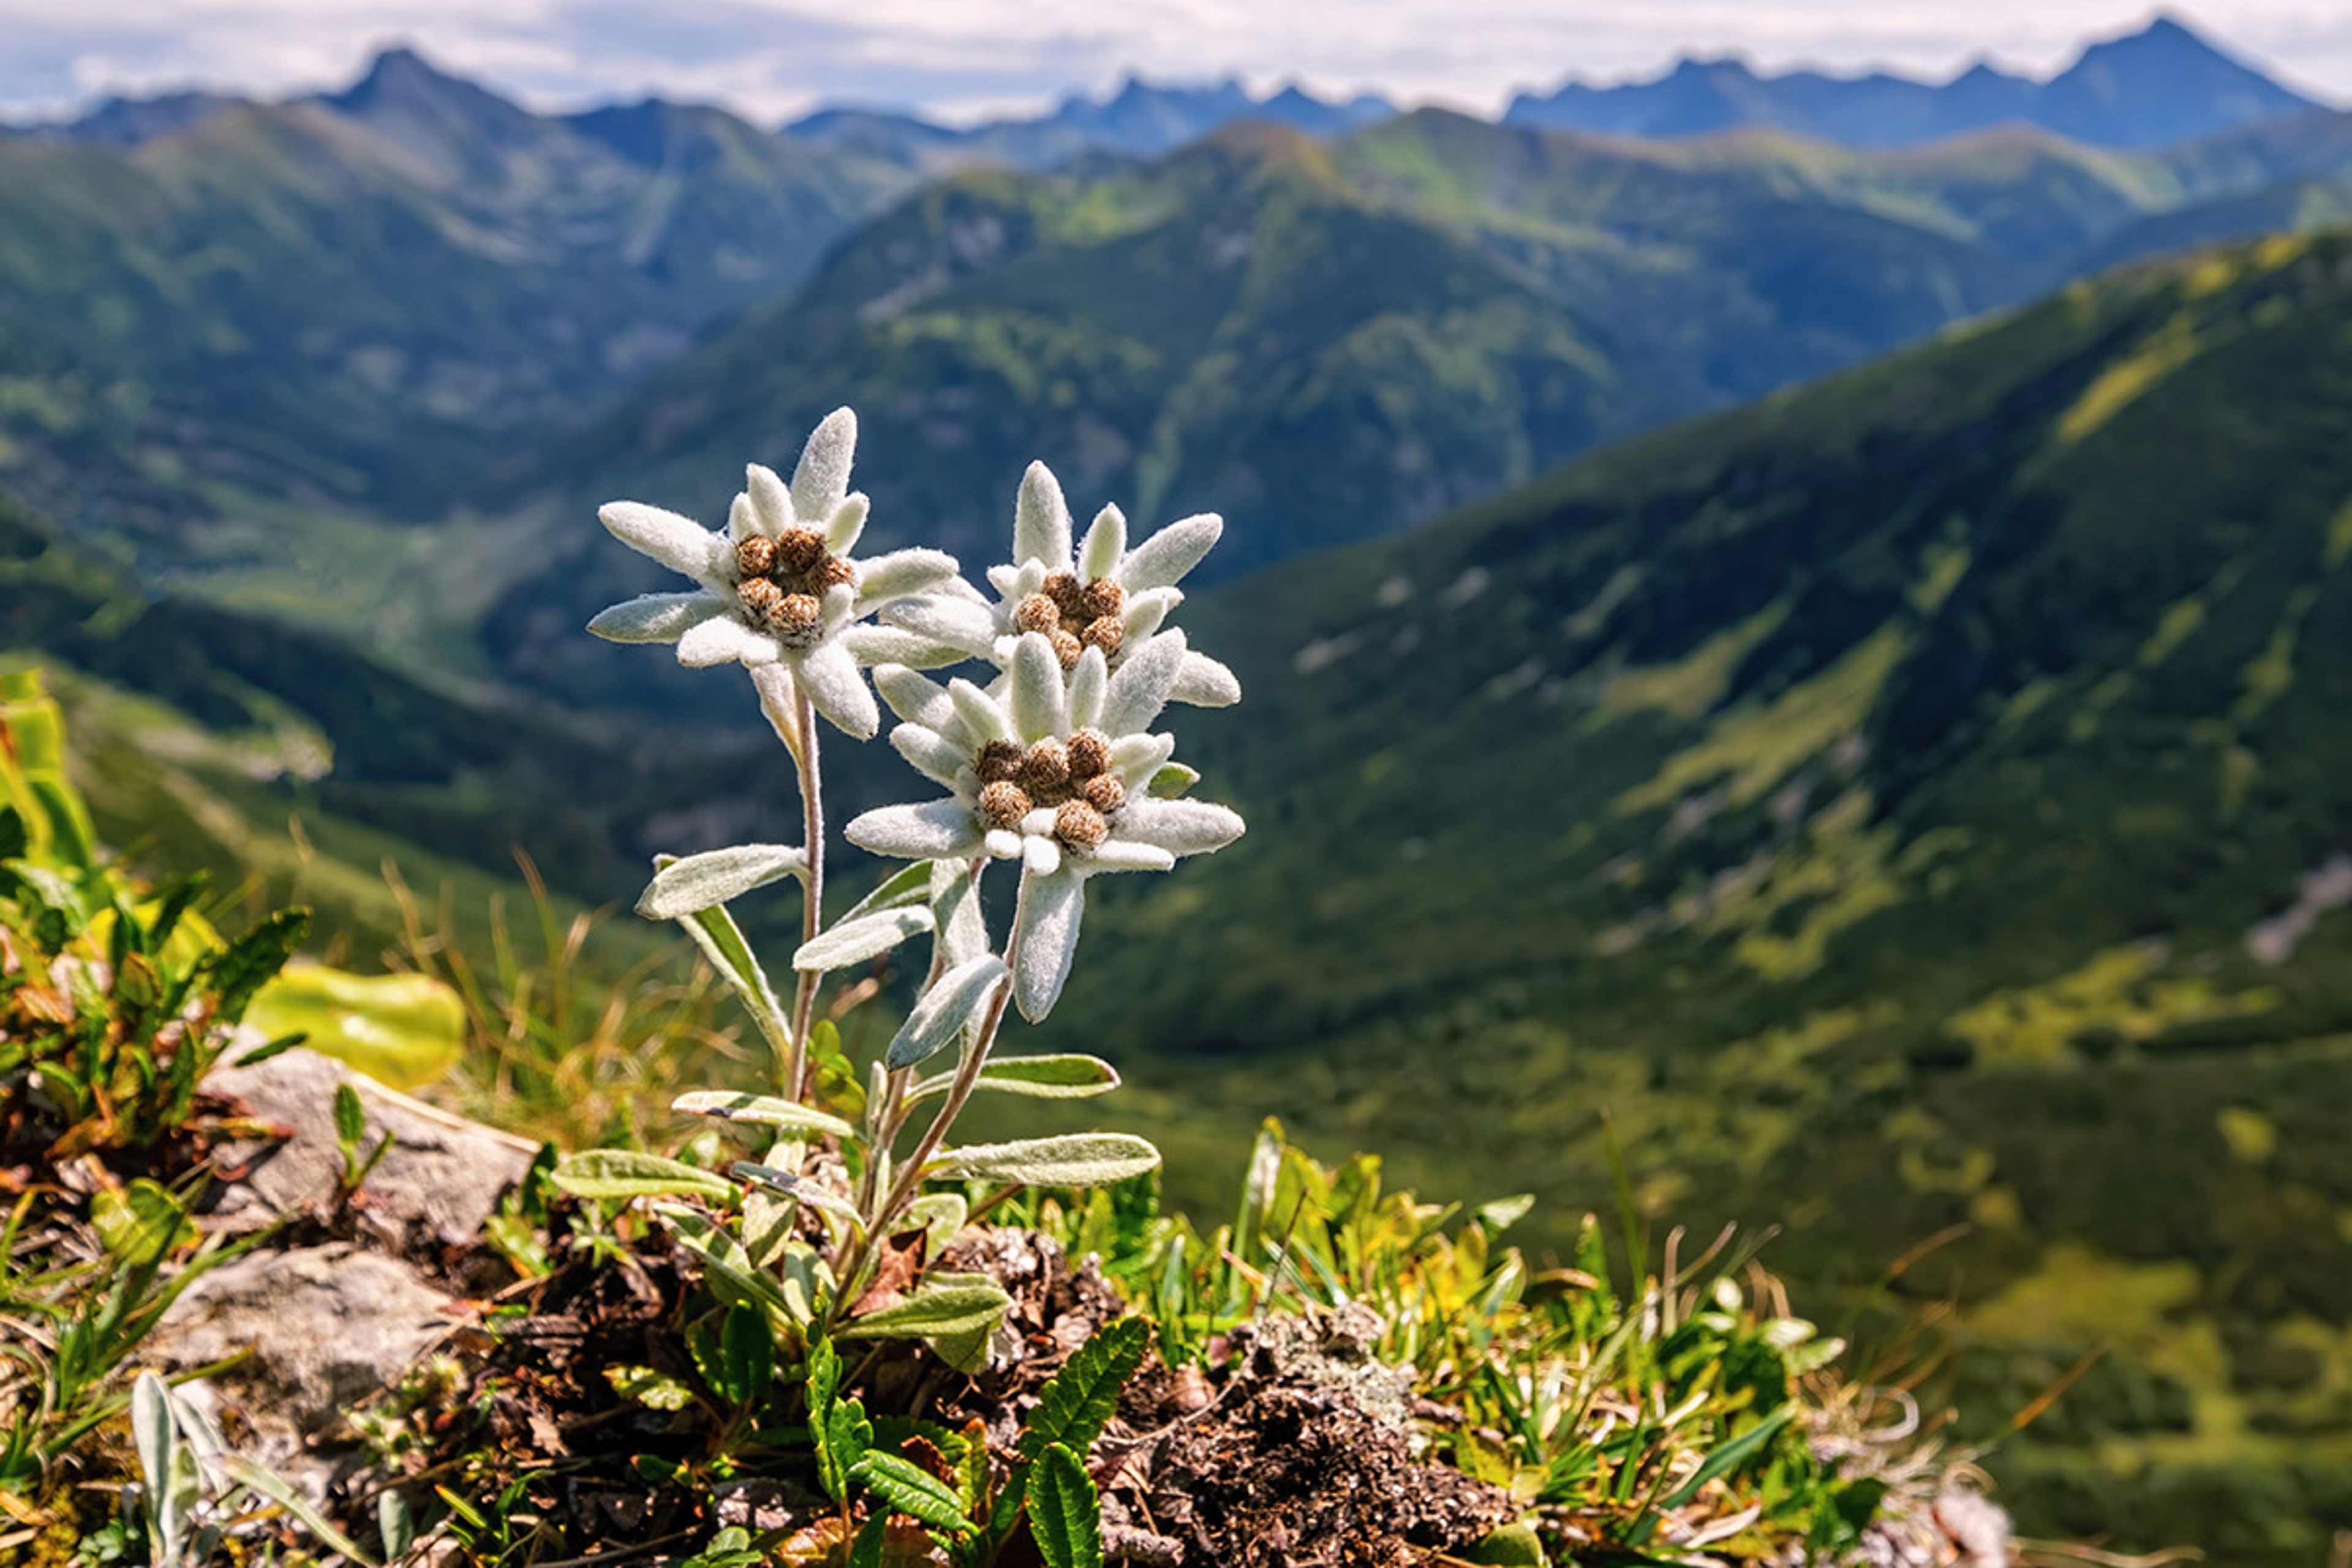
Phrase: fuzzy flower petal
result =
(679, 543)
(873, 645)
(1202, 682)
(771, 503)
(913, 698)
(952, 621)
(1104, 542)
(1160, 560)
(1180, 826)
(1039, 706)
(829, 674)
(934, 831)
(656, 617)
(723, 639)
(1046, 928)
(1040, 521)
(1140, 689)
(821, 482)
(848, 521)
(901, 574)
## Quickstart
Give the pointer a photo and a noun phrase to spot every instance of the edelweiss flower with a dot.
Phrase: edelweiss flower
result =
(1103, 596)
(778, 584)
(1055, 774)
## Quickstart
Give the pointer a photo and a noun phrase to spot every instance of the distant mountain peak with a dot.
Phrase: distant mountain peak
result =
(2165, 81)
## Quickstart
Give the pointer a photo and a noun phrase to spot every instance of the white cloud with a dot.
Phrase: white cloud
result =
(965, 58)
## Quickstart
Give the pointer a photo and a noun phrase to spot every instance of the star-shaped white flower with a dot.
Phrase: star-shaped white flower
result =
(1056, 773)
(779, 589)
(1101, 594)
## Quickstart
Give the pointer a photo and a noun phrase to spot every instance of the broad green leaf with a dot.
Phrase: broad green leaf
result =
(946, 1304)
(1171, 780)
(1059, 1076)
(626, 1173)
(1064, 1514)
(1513, 1546)
(748, 1349)
(766, 1110)
(912, 1491)
(727, 1268)
(644, 1386)
(1080, 1399)
(394, 1524)
(1070, 1160)
(940, 1214)
(693, 883)
(867, 937)
(865, 1552)
(801, 1190)
(954, 1000)
(406, 1031)
(141, 1221)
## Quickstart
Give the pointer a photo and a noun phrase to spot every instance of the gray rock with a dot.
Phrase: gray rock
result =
(443, 1176)
(320, 1331)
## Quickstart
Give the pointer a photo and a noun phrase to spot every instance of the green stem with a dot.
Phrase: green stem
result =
(910, 1174)
(804, 756)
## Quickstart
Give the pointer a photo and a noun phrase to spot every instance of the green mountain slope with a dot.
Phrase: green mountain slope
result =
(1914, 801)
(1328, 339)
(285, 317)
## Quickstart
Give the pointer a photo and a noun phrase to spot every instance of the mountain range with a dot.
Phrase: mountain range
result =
(2163, 84)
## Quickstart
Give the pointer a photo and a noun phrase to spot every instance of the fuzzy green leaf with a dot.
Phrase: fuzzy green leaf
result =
(912, 1491)
(696, 882)
(867, 937)
(946, 1305)
(1069, 1076)
(939, 1018)
(1064, 1514)
(765, 1110)
(626, 1173)
(1071, 1160)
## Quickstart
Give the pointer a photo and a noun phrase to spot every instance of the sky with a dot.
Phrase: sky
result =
(964, 59)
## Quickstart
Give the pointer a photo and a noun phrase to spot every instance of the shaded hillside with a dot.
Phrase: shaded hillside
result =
(343, 305)
(1917, 800)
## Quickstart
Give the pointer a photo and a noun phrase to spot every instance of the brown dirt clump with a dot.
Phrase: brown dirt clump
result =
(1303, 1458)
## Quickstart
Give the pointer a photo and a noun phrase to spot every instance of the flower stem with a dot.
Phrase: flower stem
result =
(910, 1172)
(804, 756)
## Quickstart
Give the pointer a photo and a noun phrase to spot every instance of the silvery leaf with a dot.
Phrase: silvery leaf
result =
(1072, 1160)
(828, 674)
(698, 881)
(1202, 682)
(864, 938)
(679, 543)
(1038, 697)
(955, 999)
(760, 1111)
